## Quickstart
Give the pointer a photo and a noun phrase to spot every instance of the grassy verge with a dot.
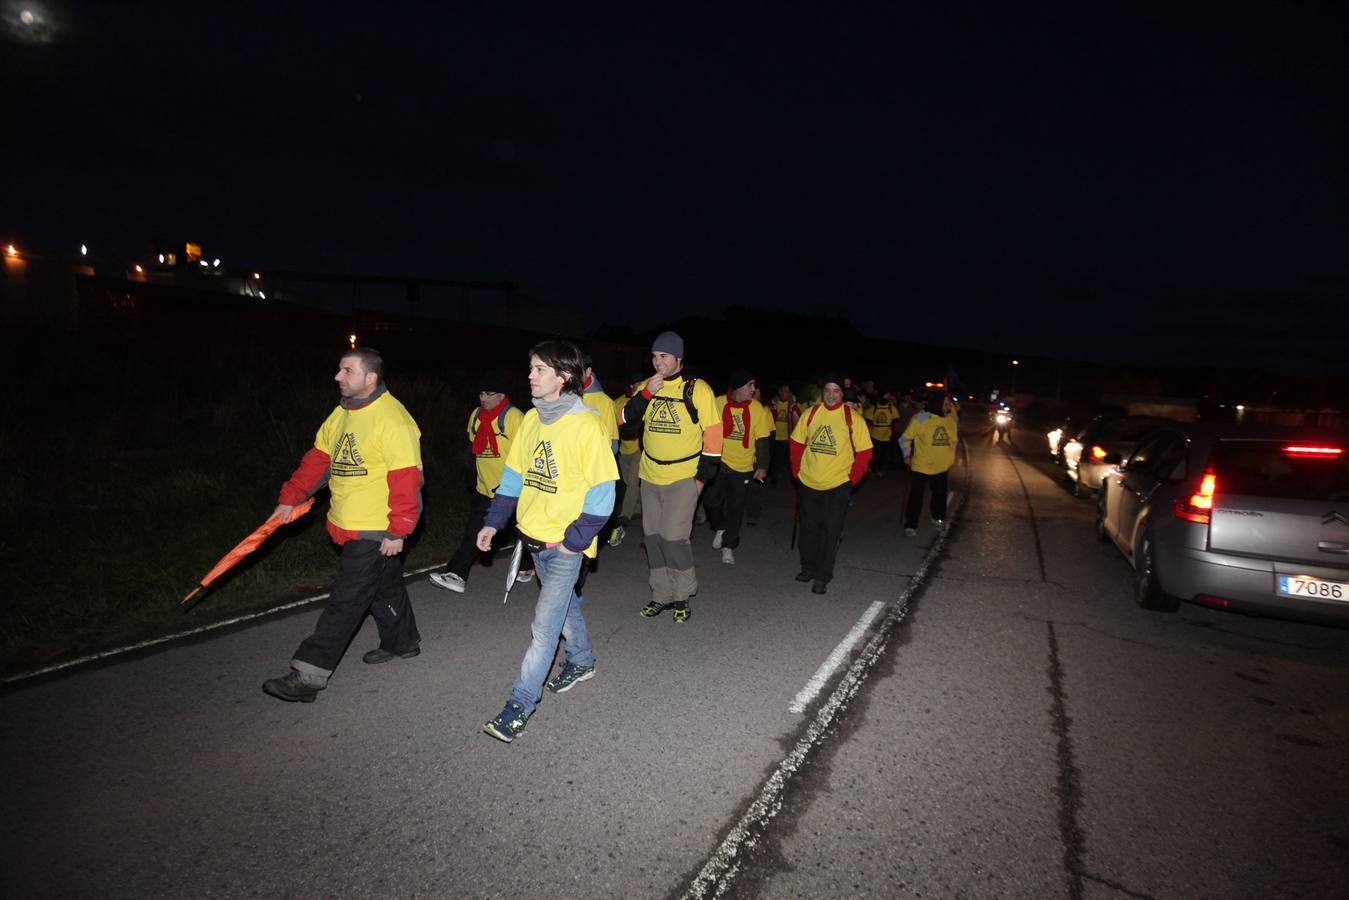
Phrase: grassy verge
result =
(129, 470)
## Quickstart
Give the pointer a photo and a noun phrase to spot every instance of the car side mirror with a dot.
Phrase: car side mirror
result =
(1113, 459)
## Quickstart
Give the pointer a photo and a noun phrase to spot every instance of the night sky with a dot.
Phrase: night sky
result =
(1111, 184)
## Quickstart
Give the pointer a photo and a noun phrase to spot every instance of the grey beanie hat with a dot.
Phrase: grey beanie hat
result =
(668, 342)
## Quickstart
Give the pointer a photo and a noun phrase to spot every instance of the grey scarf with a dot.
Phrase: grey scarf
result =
(552, 410)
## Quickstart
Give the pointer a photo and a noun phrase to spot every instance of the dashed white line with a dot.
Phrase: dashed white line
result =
(832, 663)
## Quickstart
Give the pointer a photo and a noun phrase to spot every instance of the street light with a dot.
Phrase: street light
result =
(1015, 364)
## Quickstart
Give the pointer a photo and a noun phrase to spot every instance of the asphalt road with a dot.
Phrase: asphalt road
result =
(1007, 725)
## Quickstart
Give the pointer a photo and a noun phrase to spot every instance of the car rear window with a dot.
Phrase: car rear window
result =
(1128, 429)
(1263, 469)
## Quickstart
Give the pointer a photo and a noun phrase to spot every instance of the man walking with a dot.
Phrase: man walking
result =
(559, 482)
(747, 427)
(785, 413)
(681, 450)
(929, 447)
(629, 457)
(830, 453)
(492, 426)
(368, 451)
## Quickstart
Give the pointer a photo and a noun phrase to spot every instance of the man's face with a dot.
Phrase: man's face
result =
(544, 381)
(833, 394)
(489, 399)
(743, 393)
(354, 382)
(664, 364)
(784, 392)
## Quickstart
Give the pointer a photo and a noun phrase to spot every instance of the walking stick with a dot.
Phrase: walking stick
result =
(796, 513)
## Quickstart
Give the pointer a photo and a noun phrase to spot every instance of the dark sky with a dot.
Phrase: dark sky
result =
(1090, 182)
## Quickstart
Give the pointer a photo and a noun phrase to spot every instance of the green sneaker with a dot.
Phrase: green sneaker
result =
(508, 724)
(652, 609)
(569, 677)
(681, 612)
(616, 536)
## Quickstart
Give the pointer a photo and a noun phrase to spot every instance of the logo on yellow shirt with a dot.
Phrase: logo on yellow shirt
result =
(663, 415)
(822, 441)
(738, 431)
(940, 437)
(542, 474)
(347, 461)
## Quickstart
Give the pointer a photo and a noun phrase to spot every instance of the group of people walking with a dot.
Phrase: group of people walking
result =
(547, 477)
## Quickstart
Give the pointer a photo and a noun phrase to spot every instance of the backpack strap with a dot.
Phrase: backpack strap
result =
(688, 400)
(847, 418)
(501, 419)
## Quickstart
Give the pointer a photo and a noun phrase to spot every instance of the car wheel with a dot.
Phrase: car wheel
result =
(1148, 591)
(1101, 534)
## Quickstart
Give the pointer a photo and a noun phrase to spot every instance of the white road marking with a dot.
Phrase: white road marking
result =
(118, 651)
(835, 659)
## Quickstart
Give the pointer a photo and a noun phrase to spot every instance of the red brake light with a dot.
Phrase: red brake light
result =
(1097, 452)
(1199, 507)
(1314, 452)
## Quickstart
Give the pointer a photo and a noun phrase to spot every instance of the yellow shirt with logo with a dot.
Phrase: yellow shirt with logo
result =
(828, 457)
(782, 420)
(883, 417)
(558, 465)
(934, 442)
(601, 403)
(489, 464)
(629, 436)
(734, 453)
(669, 434)
(364, 445)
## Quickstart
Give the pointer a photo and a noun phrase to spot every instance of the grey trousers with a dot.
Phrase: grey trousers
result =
(667, 522)
(632, 491)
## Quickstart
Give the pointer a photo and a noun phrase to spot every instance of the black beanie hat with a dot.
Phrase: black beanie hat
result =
(739, 378)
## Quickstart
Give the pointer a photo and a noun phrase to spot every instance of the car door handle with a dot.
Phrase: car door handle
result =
(1333, 547)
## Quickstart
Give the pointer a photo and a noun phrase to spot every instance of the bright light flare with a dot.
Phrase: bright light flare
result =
(352, 338)
(84, 249)
(140, 270)
(215, 263)
(11, 250)
(1315, 452)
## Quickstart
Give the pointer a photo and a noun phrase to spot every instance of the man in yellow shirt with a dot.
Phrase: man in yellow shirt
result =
(929, 447)
(681, 451)
(629, 458)
(830, 453)
(747, 429)
(881, 418)
(492, 426)
(785, 413)
(368, 452)
(559, 482)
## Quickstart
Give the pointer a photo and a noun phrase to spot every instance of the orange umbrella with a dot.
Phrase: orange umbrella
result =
(245, 547)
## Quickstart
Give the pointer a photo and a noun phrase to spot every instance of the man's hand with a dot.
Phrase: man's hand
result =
(390, 546)
(655, 383)
(760, 474)
(283, 511)
(699, 485)
(485, 538)
(562, 548)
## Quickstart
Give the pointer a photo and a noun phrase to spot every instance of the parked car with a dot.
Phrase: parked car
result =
(1101, 444)
(1243, 518)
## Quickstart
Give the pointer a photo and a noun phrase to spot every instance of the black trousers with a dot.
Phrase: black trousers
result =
(917, 483)
(724, 501)
(366, 581)
(822, 515)
(780, 463)
(461, 563)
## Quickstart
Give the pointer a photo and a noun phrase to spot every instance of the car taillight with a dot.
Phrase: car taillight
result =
(1199, 508)
(1097, 452)
(1306, 452)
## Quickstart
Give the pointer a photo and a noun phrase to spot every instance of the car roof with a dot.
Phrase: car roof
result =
(1228, 432)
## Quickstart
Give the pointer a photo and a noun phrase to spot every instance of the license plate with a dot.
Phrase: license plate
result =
(1317, 588)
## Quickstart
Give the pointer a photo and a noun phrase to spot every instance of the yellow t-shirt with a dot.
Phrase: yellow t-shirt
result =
(364, 446)
(734, 453)
(558, 465)
(487, 463)
(629, 436)
(601, 403)
(782, 420)
(828, 457)
(883, 417)
(934, 442)
(669, 434)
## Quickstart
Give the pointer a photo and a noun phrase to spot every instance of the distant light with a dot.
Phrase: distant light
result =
(1241, 408)
(11, 250)
(27, 17)
(257, 276)
(262, 294)
(1016, 362)
(161, 259)
(84, 250)
(352, 338)
(139, 269)
(203, 263)
(215, 263)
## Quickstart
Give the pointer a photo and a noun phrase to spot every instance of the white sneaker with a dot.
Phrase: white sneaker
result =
(524, 575)
(448, 580)
(910, 532)
(716, 539)
(728, 556)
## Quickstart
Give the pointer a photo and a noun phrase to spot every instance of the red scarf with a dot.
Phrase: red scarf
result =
(728, 424)
(485, 435)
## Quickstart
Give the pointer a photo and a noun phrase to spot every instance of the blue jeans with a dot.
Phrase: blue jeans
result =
(558, 613)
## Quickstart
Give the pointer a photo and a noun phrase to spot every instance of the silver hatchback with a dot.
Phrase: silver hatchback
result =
(1244, 518)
